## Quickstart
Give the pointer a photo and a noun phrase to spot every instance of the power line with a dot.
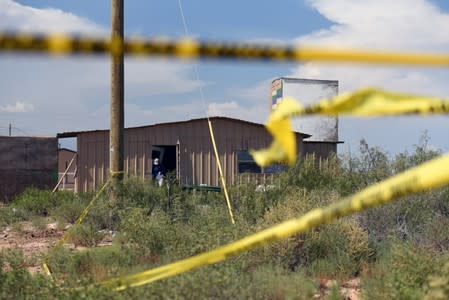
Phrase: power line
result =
(195, 67)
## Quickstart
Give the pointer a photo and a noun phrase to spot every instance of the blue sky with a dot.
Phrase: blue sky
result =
(44, 95)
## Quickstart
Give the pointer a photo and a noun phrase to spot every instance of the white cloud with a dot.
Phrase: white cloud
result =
(18, 107)
(400, 25)
(381, 24)
(255, 93)
(72, 93)
(235, 110)
(220, 109)
(403, 25)
(15, 16)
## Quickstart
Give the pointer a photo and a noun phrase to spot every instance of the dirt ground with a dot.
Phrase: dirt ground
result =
(35, 243)
(349, 289)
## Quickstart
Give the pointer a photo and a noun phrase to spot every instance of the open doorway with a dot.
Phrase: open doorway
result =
(166, 155)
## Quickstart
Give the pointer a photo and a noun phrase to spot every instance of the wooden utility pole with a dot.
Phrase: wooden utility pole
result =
(116, 146)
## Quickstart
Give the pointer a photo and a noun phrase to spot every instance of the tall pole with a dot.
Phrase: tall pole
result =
(117, 96)
(10, 129)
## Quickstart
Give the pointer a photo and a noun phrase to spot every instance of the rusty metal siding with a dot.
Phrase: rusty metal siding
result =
(197, 159)
(321, 150)
(26, 162)
(93, 160)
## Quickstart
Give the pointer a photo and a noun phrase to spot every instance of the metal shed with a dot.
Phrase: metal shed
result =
(184, 147)
(27, 162)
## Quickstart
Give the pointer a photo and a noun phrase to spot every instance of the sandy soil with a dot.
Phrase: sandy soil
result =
(349, 289)
(34, 243)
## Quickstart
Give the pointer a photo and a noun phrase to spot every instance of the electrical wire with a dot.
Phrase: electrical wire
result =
(211, 131)
(195, 67)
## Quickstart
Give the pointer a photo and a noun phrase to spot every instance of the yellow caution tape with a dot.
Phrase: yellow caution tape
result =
(189, 48)
(364, 102)
(77, 222)
(85, 211)
(223, 181)
(47, 270)
(424, 177)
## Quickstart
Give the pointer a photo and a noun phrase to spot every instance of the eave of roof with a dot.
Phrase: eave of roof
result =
(66, 149)
(323, 142)
(75, 133)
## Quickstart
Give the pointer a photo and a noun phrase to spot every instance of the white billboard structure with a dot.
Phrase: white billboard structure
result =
(308, 91)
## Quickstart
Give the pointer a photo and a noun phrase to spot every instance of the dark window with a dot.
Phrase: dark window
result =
(246, 164)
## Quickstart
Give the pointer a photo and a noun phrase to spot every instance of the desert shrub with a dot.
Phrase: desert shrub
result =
(243, 196)
(85, 235)
(69, 205)
(409, 218)
(144, 233)
(340, 249)
(35, 202)
(437, 287)
(400, 272)
(100, 263)
(336, 250)
(15, 280)
(311, 173)
(227, 281)
(58, 260)
(138, 192)
(436, 233)
(251, 204)
(63, 204)
(103, 215)
(422, 152)
(273, 282)
(39, 223)
(9, 215)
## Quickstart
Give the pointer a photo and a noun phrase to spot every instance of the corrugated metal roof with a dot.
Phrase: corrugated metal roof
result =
(304, 80)
(75, 133)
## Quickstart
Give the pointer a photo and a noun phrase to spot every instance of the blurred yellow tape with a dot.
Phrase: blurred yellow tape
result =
(424, 177)
(47, 270)
(364, 102)
(189, 48)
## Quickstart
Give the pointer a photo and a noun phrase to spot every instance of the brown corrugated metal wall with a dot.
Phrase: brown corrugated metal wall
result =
(321, 150)
(197, 163)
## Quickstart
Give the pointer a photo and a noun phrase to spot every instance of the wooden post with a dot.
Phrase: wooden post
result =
(116, 148)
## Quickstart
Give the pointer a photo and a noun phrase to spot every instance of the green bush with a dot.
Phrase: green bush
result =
(146, 234)
(9, 215)
(100, 263)
(401, 272)
(35, 202)
(138, 192)
(437, 287)
(15, 280)
(69, 205)
(85, 235)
